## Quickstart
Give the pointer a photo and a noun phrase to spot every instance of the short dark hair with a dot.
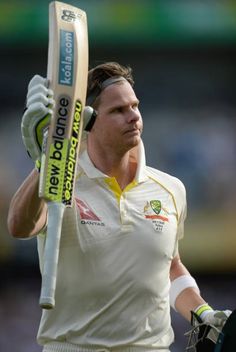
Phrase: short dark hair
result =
(100, 73)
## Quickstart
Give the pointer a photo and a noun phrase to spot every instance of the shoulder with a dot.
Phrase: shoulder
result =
(167, 180)
(172, 184)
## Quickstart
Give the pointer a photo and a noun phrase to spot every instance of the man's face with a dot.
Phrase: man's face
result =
(119, 123)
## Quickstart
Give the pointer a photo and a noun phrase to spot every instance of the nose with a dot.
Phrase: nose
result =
(134, 115)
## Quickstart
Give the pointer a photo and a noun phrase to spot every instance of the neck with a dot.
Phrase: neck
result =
(115, 165)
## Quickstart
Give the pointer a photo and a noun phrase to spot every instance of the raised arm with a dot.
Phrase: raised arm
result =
(27, 212)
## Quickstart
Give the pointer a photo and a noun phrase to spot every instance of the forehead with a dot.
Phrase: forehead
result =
(120, 93)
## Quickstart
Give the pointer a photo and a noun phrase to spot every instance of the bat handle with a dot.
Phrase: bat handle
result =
(51, 254)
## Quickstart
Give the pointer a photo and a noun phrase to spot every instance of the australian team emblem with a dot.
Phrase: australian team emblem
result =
(156, 206)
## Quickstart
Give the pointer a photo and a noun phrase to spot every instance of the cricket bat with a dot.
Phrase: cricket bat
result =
(67, 72)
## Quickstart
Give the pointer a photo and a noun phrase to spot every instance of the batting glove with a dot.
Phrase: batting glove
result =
(209, 316)
(36, 118)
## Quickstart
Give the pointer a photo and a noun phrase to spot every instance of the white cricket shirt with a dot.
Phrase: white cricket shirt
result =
(115, 255)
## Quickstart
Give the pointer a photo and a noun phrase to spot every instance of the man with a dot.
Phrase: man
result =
(119, 245)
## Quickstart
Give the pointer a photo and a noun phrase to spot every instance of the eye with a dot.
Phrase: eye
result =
(118, 109)
(135, 105)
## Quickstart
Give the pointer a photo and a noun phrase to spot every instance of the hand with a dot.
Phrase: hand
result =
(216, 318)
(209, 316)
(36, 118)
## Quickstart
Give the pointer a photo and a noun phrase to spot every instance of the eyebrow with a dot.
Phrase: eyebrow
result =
(124, 104)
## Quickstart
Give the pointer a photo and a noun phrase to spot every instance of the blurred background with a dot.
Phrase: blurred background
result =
(183, 55)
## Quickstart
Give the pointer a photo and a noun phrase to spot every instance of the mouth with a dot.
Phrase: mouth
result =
(132, 131)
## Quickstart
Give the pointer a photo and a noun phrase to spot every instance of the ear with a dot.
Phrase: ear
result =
(89, 115)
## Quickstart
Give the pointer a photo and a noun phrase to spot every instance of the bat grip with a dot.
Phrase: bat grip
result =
(51, 254)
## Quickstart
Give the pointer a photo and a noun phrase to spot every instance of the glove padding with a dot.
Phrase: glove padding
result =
(37, 115)
(216, 318)
(209, 316)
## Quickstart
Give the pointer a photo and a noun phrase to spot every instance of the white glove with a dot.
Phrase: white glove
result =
(209, 316)
(36, 118)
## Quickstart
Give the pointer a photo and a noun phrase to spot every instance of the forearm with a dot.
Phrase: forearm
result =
(188, 300)
(27, 212)
(184, 294)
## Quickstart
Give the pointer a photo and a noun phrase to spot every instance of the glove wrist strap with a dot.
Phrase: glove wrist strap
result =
(202, 308)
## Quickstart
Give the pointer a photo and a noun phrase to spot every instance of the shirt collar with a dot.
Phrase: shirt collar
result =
(137, 153)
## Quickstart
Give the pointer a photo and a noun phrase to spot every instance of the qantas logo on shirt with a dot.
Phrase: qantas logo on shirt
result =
(87, 215)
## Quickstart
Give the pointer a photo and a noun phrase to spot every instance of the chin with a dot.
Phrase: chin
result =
(134, 142)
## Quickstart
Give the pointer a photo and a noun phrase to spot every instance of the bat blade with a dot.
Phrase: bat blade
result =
(67, 74)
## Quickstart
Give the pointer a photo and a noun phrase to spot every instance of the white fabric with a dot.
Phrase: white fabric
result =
(178, 285)
(68, 347)
(115, 255)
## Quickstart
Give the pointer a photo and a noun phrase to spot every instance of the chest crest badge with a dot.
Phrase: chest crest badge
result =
(154, 210)
(156, 206)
